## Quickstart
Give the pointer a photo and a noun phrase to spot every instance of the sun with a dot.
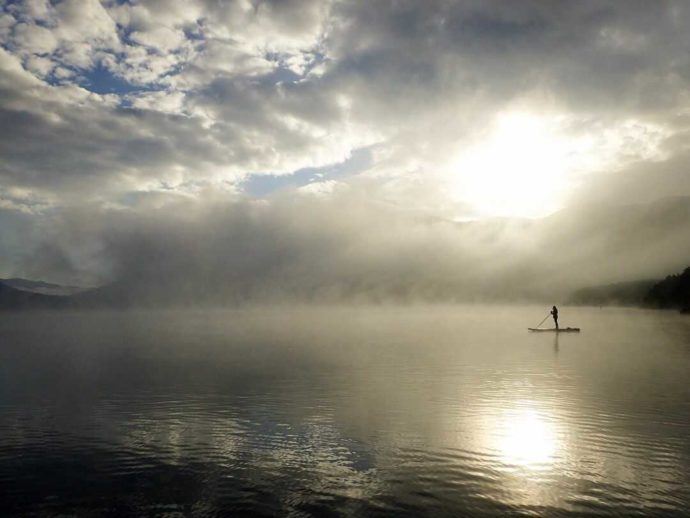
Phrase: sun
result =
(521, 168)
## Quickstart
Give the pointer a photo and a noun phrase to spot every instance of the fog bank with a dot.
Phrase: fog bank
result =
(344, 248)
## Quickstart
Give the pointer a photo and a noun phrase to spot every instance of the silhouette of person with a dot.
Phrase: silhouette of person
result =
(554, 314)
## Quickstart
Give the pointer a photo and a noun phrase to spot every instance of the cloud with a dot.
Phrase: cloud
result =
(337, 246)
(107, 103)
(34, 39)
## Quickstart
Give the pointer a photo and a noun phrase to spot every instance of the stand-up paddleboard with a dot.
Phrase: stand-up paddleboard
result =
(554, 330)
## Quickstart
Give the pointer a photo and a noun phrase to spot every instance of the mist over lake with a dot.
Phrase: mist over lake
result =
(417, 410)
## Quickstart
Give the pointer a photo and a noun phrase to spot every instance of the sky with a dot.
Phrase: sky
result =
(332, 145)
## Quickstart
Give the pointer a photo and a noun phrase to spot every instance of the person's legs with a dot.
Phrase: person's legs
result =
(555, 319)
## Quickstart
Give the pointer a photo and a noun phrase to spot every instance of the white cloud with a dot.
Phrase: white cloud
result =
(63, 73)
(160, 38)
(321, 189)
(152, 13)
(38, 9)
(163, 101)
(85, 21)
(34, 39)
(205, 93)
(7, 21)
(39, 65)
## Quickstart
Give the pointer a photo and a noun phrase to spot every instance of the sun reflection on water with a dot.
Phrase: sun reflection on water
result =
(526, 437)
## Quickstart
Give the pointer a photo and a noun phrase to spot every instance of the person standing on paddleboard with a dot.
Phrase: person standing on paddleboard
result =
(554, 314)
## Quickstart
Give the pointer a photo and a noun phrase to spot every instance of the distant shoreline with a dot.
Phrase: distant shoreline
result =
(671, 293)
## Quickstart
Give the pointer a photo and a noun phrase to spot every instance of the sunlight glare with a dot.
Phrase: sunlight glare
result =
(521, 169)
(527, 439)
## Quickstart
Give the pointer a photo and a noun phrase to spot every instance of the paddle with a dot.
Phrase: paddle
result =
(540, 323)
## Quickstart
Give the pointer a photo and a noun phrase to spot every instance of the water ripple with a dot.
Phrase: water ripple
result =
(224, 418)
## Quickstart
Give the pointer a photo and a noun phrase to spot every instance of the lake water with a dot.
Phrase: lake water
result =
(368, 411)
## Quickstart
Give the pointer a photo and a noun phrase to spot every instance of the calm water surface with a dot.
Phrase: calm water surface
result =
(369, 411)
